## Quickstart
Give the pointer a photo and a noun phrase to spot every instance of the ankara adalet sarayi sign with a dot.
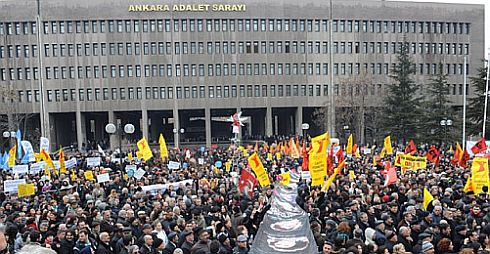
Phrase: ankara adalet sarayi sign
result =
(187, 7)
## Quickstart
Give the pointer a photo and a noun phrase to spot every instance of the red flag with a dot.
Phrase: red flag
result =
(465, 158)
(391, 177)
(411, 148)
(479, 147)
(247, 182)
(304, 153)
(340, 155)
(433, 155)
(330, 161)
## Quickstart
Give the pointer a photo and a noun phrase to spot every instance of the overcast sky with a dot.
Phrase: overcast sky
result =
(487, 14)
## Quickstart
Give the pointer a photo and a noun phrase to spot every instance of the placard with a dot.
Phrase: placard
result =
(102, 178)
(93, 161)
(11, 185)
(130, 167)
(138, 174)
(44, 144)
(37, 167)
(173, 165)
(71, 163)
(24, 190)
(200, 161)
(20, 169)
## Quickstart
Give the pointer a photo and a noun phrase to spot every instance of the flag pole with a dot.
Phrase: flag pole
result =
(464, 104)
(486, 95)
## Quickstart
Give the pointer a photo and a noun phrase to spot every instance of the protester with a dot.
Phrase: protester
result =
(202, 205)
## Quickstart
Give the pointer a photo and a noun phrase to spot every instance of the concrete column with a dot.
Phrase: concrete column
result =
(81, 129)
(268, 121)
(113, 140)
(144, 124)
(176, 126)
(299, 120)
(207, 125)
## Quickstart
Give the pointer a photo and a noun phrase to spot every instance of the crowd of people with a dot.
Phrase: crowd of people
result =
(205, 212)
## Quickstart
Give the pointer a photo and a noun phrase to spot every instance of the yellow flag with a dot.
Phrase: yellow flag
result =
(144, 148)
(374, 161)
(73, 176)
(427, 198)
(293, 149)
(329, 182)
(350, 142)
(24, 190)
(469, 185)
(286, 178)
(62, 161)
(383, 152)
(139, 154)
(352, 175)
(130, 156)
(163, 147)
(451, 149)
(459, 151)
(269, 156)
(358, 155)
(45, 157)
(278, 156)
(256, 165)
(89, 175)
(37, 156)
(387, 143)
(227, 166)
(11, 160)
(479, 174)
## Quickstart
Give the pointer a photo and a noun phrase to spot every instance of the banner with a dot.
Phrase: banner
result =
(102, 178)
(256, 165)
(93, 162)
(387, 145)
(318, 159)
(25, 190)
(413, 162)
(479, 174)
(11, 159)
(11, 185)
(157, 187)
(20, 169)
(89, 175)
(44, 144)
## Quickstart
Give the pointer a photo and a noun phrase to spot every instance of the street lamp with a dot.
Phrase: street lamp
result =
(8, 135)
(111, 129)
(347, 131)
(305, 127)
(446, 123)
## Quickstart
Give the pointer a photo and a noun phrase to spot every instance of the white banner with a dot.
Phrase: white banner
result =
(367, 150)
(20, 169)
(102, 178)
(11, 185)
(71, 163)
(37, 167)
(27, 146)
(470, 144)
(93, 162)
(156, 187)
(200, 161)
(130, 167)
(44, 144)
(139, 173)
(173, 165)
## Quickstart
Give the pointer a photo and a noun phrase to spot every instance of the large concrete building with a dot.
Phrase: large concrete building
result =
(67, 68)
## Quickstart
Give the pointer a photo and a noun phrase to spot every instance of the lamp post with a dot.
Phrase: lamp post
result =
(305, 127)
(347, 132)
(446, 123)
(9, 135)
(177, 136)
(111, 129)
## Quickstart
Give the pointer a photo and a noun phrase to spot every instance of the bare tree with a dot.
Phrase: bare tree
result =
(352, 107)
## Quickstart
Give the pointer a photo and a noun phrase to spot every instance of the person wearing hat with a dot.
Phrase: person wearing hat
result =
(459, 237)
(427, 248)
(104, 244)
(202, 244)
(241, 245)
(426, 236)
(147, 230)
(379, 236)
(188, 242)
(159, 246)
(173, 239)
(224, 244)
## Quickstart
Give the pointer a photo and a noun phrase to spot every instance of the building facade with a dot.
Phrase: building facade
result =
(165, 66)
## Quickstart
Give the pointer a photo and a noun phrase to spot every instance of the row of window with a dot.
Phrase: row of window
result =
(244, 47)
(193, 70)
(234, 25)
(194, 92)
